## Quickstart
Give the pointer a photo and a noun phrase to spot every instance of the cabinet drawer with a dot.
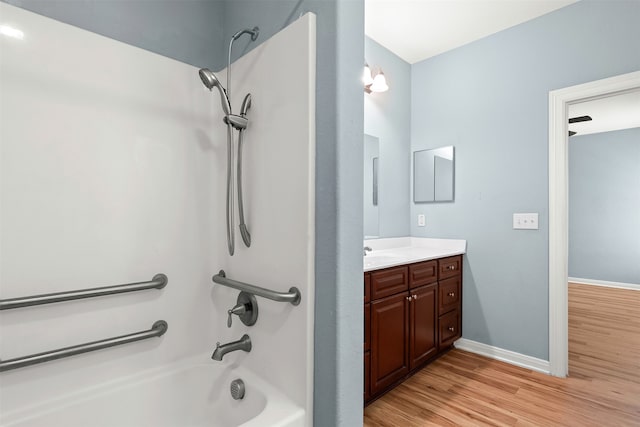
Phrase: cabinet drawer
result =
(367, 287)
(423, 273)
(450, 328)
(449, 267)
(367, 327)
(449, 294)
(388, 282)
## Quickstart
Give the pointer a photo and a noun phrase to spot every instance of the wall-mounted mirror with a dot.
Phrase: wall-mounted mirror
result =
(371, 191)
(433, 175)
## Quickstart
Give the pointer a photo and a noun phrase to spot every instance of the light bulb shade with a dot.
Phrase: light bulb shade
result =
(379, 83)
(367, 79)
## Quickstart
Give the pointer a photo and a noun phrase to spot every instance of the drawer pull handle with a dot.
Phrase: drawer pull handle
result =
(452, 294)
(452, 329)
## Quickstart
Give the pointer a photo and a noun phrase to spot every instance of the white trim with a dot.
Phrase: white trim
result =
(503, 355)
(559, 100)
(592, 282)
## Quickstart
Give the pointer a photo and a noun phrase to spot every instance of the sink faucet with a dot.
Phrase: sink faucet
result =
(243, 343)
(366, 249)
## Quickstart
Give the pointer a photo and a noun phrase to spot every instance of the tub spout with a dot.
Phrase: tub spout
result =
(243, 343)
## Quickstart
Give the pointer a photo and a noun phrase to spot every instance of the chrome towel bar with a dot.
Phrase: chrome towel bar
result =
(158, 329)
(293, 296)
(159, 281)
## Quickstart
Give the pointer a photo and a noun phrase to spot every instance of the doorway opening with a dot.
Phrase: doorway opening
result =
(559, 102)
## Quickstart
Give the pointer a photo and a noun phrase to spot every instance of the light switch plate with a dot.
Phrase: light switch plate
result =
(525, 221)
(421, 220)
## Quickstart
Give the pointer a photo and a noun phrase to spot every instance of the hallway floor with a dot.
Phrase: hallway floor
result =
(466, 389)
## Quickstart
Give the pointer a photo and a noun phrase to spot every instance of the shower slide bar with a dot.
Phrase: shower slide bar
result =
(158, 281)
(158, 329)
(293, 296)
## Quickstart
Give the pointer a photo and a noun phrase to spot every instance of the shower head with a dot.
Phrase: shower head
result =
(246, 104)
(255, 31)
(210, 81)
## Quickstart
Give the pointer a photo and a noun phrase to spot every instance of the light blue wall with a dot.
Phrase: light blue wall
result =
(604, 206)
(189, 31)
(387, 115)
(185, 30)
(490, 100)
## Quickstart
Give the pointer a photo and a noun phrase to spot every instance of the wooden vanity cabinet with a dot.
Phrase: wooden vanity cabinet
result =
(412, 314)
(367, 335)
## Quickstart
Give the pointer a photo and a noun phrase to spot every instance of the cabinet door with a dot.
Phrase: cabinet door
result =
(367, 327)
(423, 342)
(367, 375)
(389, 341)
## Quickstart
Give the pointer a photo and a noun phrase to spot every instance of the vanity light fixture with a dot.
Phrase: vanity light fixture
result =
(367, 78)
(377, 83)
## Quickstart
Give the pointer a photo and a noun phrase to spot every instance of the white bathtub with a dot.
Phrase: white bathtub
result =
(194, 392)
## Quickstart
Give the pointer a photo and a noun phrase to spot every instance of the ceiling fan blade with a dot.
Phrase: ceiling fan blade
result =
(580, 119)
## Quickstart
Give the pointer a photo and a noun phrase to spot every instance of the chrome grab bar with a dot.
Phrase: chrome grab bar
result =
(293, 296)
(158, 329)
(159, 281)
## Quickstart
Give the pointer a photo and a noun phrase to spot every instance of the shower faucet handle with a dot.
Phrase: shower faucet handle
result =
(239, 309)
(246, 309)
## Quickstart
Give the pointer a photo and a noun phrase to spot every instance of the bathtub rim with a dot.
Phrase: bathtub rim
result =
(278, 410)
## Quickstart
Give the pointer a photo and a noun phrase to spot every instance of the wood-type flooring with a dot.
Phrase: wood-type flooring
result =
(465, 389)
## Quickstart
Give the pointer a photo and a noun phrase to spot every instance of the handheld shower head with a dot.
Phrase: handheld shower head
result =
(246, 104)
(210, 81)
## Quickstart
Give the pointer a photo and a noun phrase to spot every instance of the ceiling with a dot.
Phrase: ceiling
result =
(608, 114)
(419, 29)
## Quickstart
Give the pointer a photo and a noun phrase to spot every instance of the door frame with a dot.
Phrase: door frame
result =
(559, 101)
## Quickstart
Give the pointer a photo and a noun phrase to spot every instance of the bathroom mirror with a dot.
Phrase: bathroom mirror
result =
(371, 189)
(433, 175)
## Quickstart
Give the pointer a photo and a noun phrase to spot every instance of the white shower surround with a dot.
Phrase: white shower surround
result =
(113, 166)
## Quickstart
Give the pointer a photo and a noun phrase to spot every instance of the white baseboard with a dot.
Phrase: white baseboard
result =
(503, 355)
(604, 283)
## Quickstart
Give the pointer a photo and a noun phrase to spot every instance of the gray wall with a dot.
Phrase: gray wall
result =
(490, 100)
(387, 115)
(190, 31)
(604, 206)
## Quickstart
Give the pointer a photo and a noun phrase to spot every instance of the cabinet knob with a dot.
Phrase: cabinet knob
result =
(452, 267)
(451, 328)
(415, 296)
(452, 294)
(409, 298)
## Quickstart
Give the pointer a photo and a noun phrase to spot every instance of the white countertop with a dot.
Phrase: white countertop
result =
(394, 251)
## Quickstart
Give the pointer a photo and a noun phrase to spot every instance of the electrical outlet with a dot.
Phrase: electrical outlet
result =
(525, 221)
(421, 220)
